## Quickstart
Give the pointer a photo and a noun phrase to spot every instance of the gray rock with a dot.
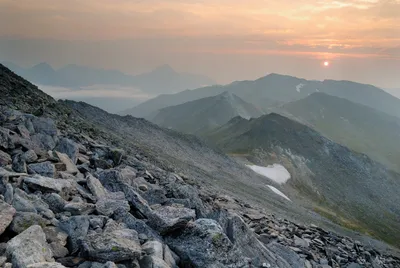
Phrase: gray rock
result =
(108, 264)
(59, 251)
(354, 265)
(2, 261)
(107, 206)
(204, 244)
(9, 193)
(116, 156)
(49, 185)
(69, 148)
(166, 219)
(55, 235)
(287, 254)
(153, 248)
(21, 202)
(153, 262)
(23, 131)
(70, 166)
(46, 265)
(45, 169)
(42, 143)
(7, 213)
(96, 187)
(117, 245)
(29, 156)
(128, 174)
(5, 141)
(299, 242)
(29, 247)
(80, 208)
(5, 159)
(24, 220)
(18, 164)
(44, 125)
(77, 228)
(55, 202)
(85, 193)
(170, 258)
(121, 215)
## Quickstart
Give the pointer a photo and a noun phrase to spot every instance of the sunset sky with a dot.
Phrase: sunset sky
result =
(225, 39)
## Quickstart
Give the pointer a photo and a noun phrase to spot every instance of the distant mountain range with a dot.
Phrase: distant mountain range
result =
(356, 126)
(275, 90)
(344, 185)
(163, 79)
(198, 116)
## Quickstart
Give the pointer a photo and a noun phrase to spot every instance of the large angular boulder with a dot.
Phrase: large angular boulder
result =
(29, 247)
(68, 147)
(29, 156)
(166, 219)
(77, 228)
(79, 208)
(112, 245)
(7, 213)
(45, 169)
(44, 126)
(68, 165)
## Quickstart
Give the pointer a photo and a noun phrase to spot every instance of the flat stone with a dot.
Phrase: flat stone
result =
(68, 147)
(46, 265)
(7, 213)
(96, 187)
(106, 206)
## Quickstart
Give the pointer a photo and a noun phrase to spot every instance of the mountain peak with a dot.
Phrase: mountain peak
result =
(44, 66)
(165, 69)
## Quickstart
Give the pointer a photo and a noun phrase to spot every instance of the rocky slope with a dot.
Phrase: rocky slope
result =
(70, 196)
(343, 185)
(356, 126)
(196, 117)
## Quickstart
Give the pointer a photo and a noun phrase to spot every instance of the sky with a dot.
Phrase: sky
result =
(227, 40)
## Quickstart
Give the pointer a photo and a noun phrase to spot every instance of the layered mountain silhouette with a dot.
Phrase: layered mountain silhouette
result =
(205, 114)
(161, 80)
(274, 90)
(342, 184)
(356, 126)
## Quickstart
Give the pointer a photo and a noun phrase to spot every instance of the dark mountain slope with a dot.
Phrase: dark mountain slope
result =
(358, 191)
(201, 115)
(356, 126)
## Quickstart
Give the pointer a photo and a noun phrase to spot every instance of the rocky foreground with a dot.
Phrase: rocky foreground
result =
(68, 201)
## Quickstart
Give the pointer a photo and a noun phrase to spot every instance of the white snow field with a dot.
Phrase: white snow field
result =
(275, 172)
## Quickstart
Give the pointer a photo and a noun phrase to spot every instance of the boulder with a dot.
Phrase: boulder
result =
(19, 164)
(44, 126)
(69, 165)
(29, 247)
(152, 262)
(50, 185)
(55, 202)
(5, 159)
(45, 169)
(41, 143)
(79, 208)
(108, 264)
(153, 248)
(7, 213)
(55, 235)
(77, 228)
(112, 245)
(68, 147)
(106, 206)
(204, 244)
(95, 187)
(58, 250)
(167, 219)
(29, 156)
(121, 215)
(24, 220)
(9, 193)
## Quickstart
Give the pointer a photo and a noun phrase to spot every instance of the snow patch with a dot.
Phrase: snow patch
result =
(275, 172)
(299, 87)
(278, 192)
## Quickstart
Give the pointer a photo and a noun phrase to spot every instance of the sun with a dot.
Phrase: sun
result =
(326, 63)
